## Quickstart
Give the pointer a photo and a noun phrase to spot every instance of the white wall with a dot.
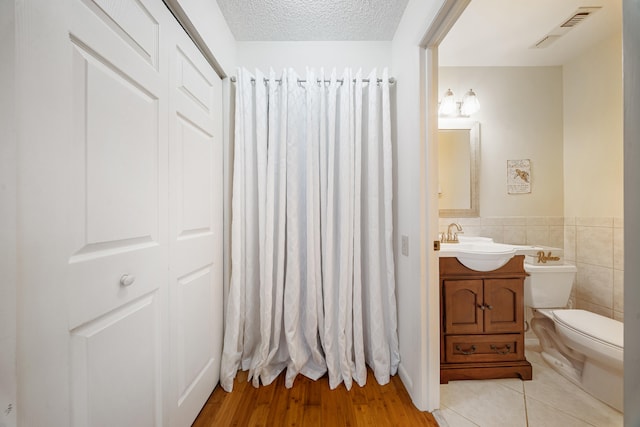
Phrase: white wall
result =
(416, 287)
(315, 54)
(594, 181)
(593, 114)
(520, 118)
(8, 160)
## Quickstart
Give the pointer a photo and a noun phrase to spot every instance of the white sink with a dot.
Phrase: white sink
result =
(482, 253)
(474, 239)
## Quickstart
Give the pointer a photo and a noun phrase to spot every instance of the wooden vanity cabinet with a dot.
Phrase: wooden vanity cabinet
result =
(482, 321)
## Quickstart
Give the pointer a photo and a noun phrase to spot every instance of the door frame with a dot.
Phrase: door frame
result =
(8, 216)
(631, 137)
(444, 20)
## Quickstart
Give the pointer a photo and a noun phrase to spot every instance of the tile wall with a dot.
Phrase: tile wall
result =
(594, 245)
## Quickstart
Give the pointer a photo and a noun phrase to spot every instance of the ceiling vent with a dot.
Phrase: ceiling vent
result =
(578, 16)
(582, 14)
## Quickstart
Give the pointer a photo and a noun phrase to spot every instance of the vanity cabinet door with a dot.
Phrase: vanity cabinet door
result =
(463, 307)
(504, 305)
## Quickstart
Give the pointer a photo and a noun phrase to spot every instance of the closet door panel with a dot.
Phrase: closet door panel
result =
(119, 157)
(117, 271)
(104, 199)
(118, 385)
(195, 278)
(117, 191)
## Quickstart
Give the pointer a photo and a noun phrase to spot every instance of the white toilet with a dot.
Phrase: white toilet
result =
(584, 347)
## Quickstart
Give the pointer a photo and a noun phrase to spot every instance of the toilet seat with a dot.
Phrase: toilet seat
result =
(592, 334)
(595, 326)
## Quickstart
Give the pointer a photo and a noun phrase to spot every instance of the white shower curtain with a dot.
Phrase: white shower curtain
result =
(312, 282)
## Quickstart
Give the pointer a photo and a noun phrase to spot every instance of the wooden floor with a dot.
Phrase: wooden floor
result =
(311, 403)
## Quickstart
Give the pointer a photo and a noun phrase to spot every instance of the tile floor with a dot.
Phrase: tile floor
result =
(548, 400)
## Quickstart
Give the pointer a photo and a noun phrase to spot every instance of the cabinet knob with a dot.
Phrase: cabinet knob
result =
(127, 280)
(481, 306)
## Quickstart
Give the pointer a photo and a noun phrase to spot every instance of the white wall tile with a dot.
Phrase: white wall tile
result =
(537, 220)
(556, 220)
(595, 285)
(492, 221)
(618, 222)
(595, 245)
(495, 232)
(514, 220)
(470, 222)
(515, 235)
(537, 235)
(570, 243)
(594, 221)
(618, 248)
(556, 236)
(618, 291)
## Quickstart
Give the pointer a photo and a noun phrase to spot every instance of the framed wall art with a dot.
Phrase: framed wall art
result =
(519, 176)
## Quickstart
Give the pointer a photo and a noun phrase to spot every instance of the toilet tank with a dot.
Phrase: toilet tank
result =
(548, 286)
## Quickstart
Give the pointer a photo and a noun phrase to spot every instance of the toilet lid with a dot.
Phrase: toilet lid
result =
(599, 327)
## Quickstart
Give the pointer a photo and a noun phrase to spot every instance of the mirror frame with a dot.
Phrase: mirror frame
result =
(474, 148)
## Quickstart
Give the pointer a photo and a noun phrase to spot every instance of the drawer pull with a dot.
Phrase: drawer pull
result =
(504, 350)
(470, 351)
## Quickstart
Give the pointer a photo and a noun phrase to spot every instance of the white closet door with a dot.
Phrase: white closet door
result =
(195, 230)
(118, 268)
(120, 209)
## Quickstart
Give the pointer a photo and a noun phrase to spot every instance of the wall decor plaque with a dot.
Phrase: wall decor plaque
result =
(519, 176)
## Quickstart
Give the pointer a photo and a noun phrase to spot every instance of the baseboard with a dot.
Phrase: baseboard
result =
(442, 422)
(406, 379)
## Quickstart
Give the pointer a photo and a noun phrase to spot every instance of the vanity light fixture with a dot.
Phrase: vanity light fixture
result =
(450, 107)
(470, 103)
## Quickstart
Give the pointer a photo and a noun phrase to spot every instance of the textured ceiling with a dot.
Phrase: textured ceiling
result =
(304, 20)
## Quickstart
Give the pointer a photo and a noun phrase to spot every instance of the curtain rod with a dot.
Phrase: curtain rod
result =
(392, 80)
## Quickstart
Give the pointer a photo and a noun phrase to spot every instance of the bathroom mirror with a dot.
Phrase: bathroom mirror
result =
(458, 168)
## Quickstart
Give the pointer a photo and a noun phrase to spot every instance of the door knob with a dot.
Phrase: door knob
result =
(127, 280)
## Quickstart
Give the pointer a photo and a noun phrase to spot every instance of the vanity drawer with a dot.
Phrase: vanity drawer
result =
(483, 348)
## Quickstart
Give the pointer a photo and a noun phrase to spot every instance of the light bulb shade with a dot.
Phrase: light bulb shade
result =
(448, 105)
(470, 103)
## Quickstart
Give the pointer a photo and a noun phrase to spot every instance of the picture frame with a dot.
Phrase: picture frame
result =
(519, 176)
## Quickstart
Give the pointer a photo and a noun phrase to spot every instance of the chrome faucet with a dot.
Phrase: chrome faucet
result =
(452, 237)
